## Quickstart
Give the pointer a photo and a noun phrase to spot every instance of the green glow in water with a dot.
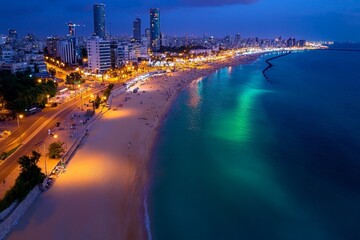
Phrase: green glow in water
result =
(236, 124)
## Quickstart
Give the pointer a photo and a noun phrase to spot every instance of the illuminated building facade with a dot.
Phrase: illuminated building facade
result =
(154, 29)
(99, 20)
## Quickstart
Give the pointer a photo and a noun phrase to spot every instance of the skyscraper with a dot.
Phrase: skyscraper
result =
(137, 30)
(66, 50)
(147, 35)
(99, 20)
(71, 27)
(12, 34)
(155, 29)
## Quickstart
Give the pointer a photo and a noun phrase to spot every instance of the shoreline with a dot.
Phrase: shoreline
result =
(155, 135)
(107, 182)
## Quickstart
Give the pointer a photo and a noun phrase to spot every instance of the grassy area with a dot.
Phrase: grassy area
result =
(5, 155)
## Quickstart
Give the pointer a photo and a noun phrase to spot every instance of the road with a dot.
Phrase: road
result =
(60, 72)
(35, 131)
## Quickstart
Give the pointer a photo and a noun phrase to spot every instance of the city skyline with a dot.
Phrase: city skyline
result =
(304, 19)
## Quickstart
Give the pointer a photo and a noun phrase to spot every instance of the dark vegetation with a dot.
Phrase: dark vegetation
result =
(22, 91)
(30, 176)
(56, 150)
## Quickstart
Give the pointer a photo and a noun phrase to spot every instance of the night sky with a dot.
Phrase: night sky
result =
(337, 20)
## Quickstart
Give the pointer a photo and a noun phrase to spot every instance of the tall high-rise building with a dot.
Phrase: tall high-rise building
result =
(155, 29)
(51, 46)
(137, 30)
(66, 50)
(72, 31)
(2, 39)
(99, 20)
(12, 34)
(291, 42)
(99, 55)
(237, 39)
(147, 35)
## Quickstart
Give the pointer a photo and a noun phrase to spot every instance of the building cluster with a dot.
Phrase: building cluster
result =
(105, 52)
(19, 55)
(102, 51)
(233, 42)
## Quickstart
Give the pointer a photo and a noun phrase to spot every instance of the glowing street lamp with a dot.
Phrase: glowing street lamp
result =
(19, 117)
(79, 86)
(48, 96)
(54, 136)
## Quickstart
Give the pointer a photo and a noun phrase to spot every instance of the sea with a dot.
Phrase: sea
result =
(242, 157)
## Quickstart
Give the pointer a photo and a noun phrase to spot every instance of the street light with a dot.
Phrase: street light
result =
(19, 117)
(54, 136)
(48, 96)
(79, 86)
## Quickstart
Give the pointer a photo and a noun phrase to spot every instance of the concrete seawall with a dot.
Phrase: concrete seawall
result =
(9, 223)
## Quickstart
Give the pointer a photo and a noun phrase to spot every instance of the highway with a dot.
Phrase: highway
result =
(32, 132)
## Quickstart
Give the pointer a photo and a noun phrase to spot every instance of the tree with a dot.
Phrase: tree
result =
(74, 78)
(30, 176)
(107, 92)
(84, 53)
(22, 91)
(52, 72)
(30, 173)
(56, 150)
(97, 102)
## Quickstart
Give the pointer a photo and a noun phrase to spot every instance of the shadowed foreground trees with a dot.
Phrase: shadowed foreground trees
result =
(30, 176)
(22, 91)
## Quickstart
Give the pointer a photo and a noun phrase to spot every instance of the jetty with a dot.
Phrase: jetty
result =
(270, 65)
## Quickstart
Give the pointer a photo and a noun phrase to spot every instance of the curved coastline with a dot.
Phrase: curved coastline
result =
(155, 135)
(115, 172)
(270, 65)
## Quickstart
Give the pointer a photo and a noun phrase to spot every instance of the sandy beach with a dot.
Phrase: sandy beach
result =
(101, 194)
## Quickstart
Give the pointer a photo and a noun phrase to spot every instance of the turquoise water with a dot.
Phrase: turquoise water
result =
(241, 158)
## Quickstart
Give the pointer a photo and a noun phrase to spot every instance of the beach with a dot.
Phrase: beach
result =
(101, 195)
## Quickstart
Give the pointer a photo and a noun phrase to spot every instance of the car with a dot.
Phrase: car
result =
(57, 124)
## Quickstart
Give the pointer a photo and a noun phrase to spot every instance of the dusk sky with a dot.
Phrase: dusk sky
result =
(337, 20)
